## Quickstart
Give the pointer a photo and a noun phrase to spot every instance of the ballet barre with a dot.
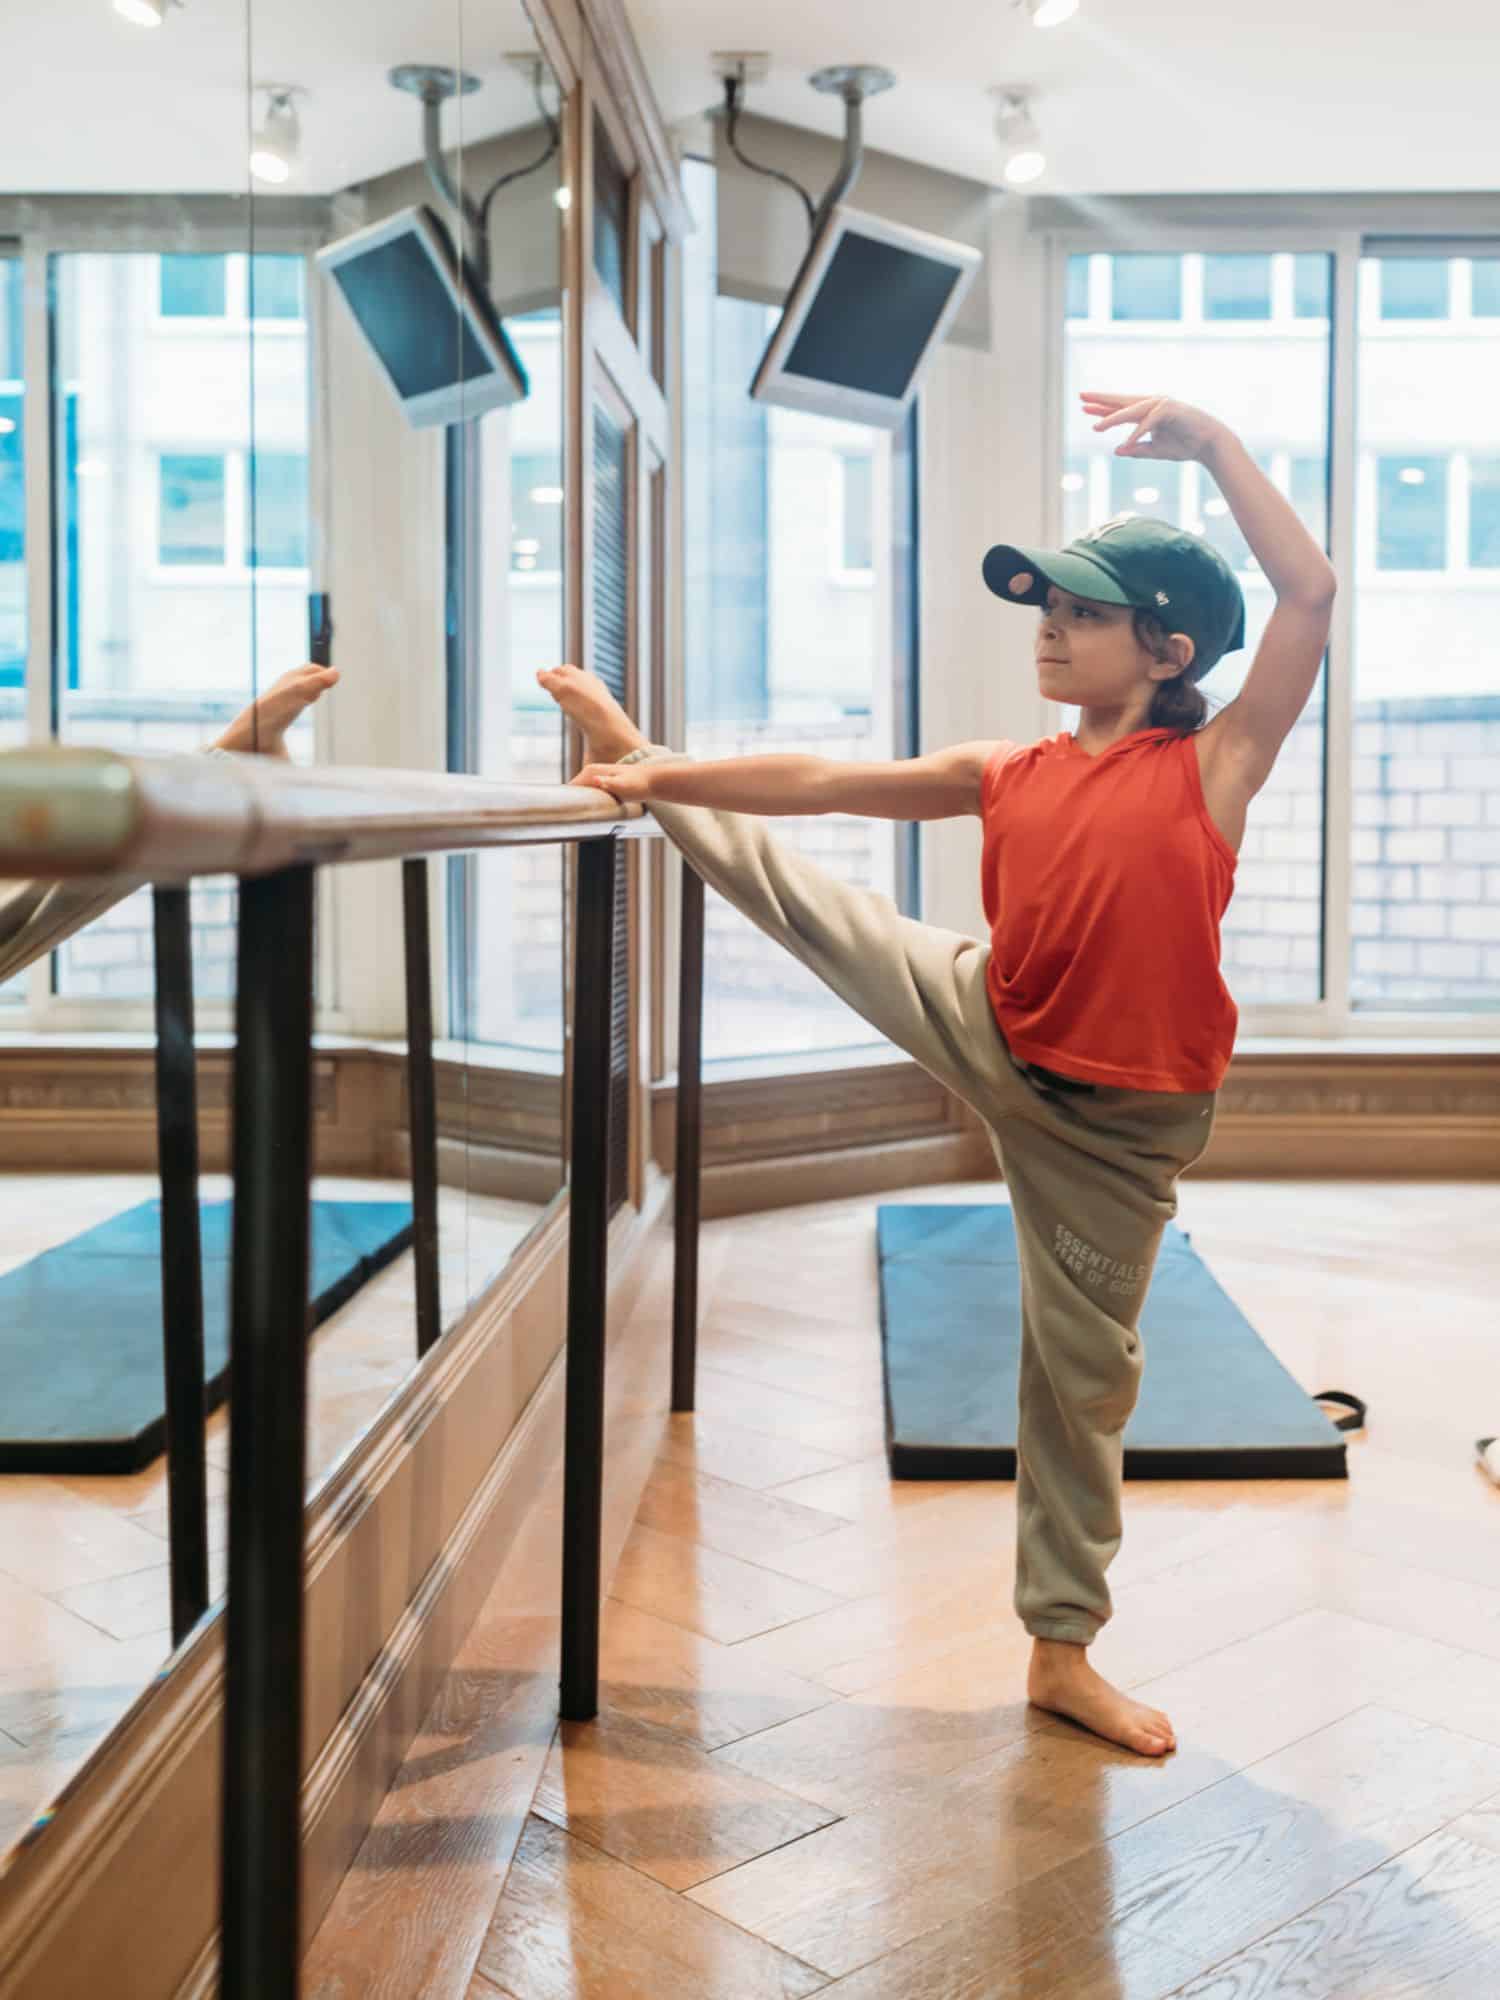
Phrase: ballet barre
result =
(68, 813)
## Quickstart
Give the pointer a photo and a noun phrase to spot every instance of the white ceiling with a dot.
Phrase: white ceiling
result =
(1135, 96)
(111, 107)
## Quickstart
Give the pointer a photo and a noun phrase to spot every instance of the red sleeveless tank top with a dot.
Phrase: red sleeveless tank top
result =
(1104, 881)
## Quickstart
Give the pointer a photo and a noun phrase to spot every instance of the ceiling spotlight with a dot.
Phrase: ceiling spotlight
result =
(1024, 158)
(275, 147)
(1048, 13)
(145, 13)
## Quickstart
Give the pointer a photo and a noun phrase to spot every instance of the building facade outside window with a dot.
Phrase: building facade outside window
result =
(1421, 905)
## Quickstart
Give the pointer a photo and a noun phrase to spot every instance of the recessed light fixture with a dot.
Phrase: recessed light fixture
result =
(1024, 159)
(277, 144)
(145, 13)
(1413, 475)
(1049, 13)
(7, 425)
(89, 468)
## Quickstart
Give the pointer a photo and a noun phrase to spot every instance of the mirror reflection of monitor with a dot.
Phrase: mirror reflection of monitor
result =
(869, 304)
(435, 336)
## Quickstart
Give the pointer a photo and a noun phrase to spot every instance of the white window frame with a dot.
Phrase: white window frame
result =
(1349, 234)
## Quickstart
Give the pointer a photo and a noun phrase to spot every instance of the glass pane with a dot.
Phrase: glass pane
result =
(1146, 287)
(1270, 383)
(611, 214)
(1413, 288)
(789, 552)
(278, 494)
(191, 489)
(1237, 287)
(1312, 279)
(12, 541)
(1486, 288)
(1425, 914)
(1077, 306)
(1412, 502)
(160, 502)
(193, 287)
(1484, 513)
(277, 288)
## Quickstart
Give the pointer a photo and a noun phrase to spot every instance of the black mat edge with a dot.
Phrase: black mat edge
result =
(134, 1454)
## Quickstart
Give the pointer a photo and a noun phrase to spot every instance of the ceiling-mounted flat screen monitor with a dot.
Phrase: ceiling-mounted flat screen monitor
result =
(425, 318)
(870, 303)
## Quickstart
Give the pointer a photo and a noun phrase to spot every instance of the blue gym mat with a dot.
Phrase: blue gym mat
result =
(82, 1387)
(1215, 1402)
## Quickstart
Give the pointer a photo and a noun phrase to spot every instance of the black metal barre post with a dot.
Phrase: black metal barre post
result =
(181, 1259)
(687, 1193)
(262, 1835)
(588, 1227)
(421, 1102)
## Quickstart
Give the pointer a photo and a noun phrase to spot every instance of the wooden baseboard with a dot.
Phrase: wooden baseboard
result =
(403, 1544)
(744, 1187)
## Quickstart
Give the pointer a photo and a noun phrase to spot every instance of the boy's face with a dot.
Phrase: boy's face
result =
(1088, 655)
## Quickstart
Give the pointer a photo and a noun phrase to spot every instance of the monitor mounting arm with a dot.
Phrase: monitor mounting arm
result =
(853, 82)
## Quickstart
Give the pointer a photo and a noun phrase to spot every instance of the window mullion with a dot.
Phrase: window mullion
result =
(1338, 789)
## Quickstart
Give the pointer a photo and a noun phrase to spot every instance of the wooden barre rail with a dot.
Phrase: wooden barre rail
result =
(68, 812)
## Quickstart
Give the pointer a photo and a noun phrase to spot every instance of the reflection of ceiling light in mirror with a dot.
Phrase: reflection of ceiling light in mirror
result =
(1146, 494)
(1198, 528)
(525, 562)
(564, 197)
(1072, 482)
(547, 496)
(275, 147)
(1024, 159)
(7, 425)
(527, 547)
(89, 468)
(145, 13)
(1413, 475)
(1216, 507)
(1048, 13)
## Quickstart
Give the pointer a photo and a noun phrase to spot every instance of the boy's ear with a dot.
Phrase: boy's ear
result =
(1182, 649)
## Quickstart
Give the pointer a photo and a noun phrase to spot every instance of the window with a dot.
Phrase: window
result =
(1312, 281)
(12, 504)
(1412, 512)
(611, 214)
(536, 515)
(1146, 287)
(277, 288)
(1484, 513)
(1309, 495)
(780, 657)
(1485, 303)
(1271, 383)
(276, 521)
(1150, 487)
(1426, 676)
(193, 287)
(855, 483)
(1237, 287)
(1413, 288)
(1077, 306)
(192, 527)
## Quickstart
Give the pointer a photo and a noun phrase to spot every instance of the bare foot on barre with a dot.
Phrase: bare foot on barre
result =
(607, 730)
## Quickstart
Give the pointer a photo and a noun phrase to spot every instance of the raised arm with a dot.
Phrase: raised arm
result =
(1245, 737)
(942, 785)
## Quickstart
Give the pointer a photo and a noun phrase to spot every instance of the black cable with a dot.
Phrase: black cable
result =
(732, 88)
(554, 140)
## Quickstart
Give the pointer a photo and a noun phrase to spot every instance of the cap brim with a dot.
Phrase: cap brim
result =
(1005, 565)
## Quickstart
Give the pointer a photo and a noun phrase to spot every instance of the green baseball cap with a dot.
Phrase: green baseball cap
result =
(1147, 564)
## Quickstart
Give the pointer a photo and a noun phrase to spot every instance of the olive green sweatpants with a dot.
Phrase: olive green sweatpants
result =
(1091, 1174)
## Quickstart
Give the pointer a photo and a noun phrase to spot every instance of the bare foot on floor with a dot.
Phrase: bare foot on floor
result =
(1061, 1679)
(609, 734)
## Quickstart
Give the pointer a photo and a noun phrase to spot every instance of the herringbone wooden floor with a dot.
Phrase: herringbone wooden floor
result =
(814, 1769)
